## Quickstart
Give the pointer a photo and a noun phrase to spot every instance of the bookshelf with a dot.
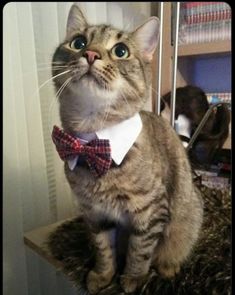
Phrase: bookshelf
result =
(188, 55)
(37, 239)
(216, 47)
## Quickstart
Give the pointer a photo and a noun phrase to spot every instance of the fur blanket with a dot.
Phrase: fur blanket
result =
(207, 271)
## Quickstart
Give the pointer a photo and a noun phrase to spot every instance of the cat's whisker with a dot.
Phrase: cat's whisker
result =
(131, 92)
(103, 118)
(58, 93)
(123, 96)
(43, 69)
(49, 80)
(126, 101)
(53, 66)
(157, 94)
(106, 113)
(144, 161)
(50, 116)
(50, 63)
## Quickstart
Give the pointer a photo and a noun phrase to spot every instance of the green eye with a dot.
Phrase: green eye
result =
(120, 50)
(78, 43)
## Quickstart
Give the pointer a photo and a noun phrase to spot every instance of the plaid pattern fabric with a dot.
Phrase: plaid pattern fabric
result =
(97, 153)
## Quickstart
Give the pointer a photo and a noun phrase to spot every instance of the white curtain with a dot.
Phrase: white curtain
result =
(34, 188)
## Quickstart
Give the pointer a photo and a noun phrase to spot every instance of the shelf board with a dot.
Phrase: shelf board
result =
(37, 238)
(204, 48)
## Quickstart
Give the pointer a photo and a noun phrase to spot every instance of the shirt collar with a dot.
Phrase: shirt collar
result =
(121, 137)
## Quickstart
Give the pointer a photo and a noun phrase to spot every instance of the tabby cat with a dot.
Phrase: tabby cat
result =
(103, 79)
(191, 102)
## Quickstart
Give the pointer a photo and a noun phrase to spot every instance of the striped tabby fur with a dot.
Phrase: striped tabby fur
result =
(151, 193)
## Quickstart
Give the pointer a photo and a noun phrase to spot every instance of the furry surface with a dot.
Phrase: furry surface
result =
(207, 271)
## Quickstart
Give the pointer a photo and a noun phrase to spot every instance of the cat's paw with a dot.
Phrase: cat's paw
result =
(168, 271)
(131, 283)
(96, 281)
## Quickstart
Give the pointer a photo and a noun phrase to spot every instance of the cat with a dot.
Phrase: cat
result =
(192, 103)
(103, 76)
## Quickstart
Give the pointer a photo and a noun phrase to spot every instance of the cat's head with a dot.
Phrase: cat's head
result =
(103, 74)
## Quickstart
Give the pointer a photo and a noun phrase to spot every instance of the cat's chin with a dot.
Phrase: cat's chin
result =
(89, 88)
(91, 81)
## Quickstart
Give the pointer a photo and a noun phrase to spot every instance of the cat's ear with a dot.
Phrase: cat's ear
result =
(147, 35)
(76, 20)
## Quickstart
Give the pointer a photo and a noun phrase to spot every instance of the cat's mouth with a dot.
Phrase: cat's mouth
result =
(96, 78)
(88, 75)
(90, 78)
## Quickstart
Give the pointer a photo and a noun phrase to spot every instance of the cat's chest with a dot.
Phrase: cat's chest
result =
(114, 195)
(111, 195)
(110, 211)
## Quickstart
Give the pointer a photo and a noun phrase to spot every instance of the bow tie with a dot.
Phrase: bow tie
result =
(97, 152)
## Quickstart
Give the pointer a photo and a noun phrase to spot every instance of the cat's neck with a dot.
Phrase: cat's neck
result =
(81, 113)
(92, 122)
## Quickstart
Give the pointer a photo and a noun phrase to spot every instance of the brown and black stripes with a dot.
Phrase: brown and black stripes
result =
(149, 194)
(119, 35)
(101, 225)
(101, 230)
(122, 198)
(107, 76)
(109, 72)
(145, 235)
(151, 230)
(105, 253)
(142, 244)
(131, 82)
(155, 225)
(99, 34)
(91, 33)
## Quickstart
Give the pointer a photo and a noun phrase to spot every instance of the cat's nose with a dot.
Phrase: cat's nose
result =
(91, 56)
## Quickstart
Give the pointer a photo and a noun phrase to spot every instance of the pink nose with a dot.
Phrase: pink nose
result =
(91, 56)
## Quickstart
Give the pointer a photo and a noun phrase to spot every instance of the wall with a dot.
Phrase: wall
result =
(213, 74)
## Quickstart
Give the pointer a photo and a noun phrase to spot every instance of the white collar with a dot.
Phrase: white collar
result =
(121, 137)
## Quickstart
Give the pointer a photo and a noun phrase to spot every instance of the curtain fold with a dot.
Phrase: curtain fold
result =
(35, 192)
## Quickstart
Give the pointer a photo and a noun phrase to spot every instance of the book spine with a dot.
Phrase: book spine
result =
(218, 97)
(204, 22)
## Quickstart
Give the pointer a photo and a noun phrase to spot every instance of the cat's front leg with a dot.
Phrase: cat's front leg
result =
(142, 243)
(105, 264)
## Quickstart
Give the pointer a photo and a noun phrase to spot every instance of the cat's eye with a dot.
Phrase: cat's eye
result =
(120, 50)
(78, 43)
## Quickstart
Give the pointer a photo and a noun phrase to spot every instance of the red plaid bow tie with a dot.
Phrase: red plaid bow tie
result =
(97, 152)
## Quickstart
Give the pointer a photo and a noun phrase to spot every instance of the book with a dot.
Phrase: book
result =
(219, 97)
(204, 22)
